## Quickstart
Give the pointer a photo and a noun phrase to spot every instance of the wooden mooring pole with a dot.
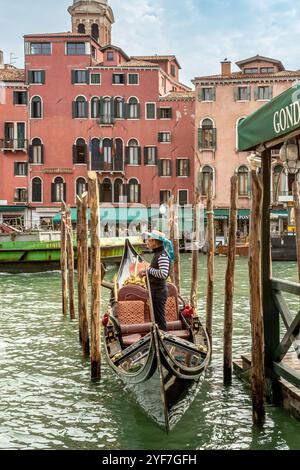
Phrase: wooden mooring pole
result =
(94, 204)
(195, 254)
(82, 270)
(297, 220)
(70, 255)
(210, 261)
(63, 259)
(229, 284)
(258, 370)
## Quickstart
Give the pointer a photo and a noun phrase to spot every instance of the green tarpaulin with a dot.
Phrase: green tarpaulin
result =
(277, 118)
(12, 209)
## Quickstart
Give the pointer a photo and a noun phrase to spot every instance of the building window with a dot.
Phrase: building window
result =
(165, 167)
(107, 151)
(133, 109)
(164, 137)
(150, 111)
(36, 77)
(81, 28)
(173, 70)
(133, 79)
(207, 138)
(242, 93)
(40, 48)
(207, 178)
(20, 195)
(106, 191)
(134, 191)
(243, 181)
(36, 190)
(118, 79)
(267, 70)
(20, 169)
(133, 153)
(279, 182)
(80, 77)
(36, 152)
(183, 197)
(110, 56)
(14, 135)
(183, 168)
(58, 190)
(81, 186)
(207, 94)
(118, 191)
(20, 98)
(164, 196)
(165, 113)
(80, 152)
(251, 70)
(76, 48)
(107, 111)
(80, 108)
(95, 79)
(36, 108)
(95, 108)
(263, 93)
(95, 31)
(119, 108)
(150, 155)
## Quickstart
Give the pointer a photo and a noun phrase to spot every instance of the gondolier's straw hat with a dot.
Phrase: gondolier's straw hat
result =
(156, 235)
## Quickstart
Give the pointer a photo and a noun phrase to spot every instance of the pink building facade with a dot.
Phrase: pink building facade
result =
(89, 106)
(221, 102)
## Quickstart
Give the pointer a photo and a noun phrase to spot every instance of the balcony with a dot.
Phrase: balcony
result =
(116, 166)
(106, 120)
(14, 145)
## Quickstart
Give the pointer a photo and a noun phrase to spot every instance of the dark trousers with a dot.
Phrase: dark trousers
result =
(159, 300)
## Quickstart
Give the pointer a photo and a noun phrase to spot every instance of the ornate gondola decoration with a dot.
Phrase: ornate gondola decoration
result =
(162, 370)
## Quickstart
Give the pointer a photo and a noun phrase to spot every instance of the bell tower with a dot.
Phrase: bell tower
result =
(93, 17)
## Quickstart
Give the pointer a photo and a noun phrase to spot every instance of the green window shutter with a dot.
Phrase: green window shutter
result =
(200, 138)
(138, 111)
(73, 76)
(53, 193)
(159, 137)
(200, 94)
(270, 92)
(158, 113)
(42, 154)
(30, 76)
(74, 154)
(256, 93)
(177, 167)
(249, 93)
(30, 153)
(101, 108)
(26, 169)
(43, 73)
(213, 94)
(127, 155)
(115, 108)
(74, 109)
(214, 139)
(15, 97)
(86, 111)
(112, 114)
(159, 167)
(156, 155)
(139, 155)
(88, 77)
(171, 113)
(146, 156)
(65, 192)
(236, 93)
(16, 169)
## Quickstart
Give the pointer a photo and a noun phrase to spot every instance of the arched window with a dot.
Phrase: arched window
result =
(243, 181)
(80, 152)
(81, 28)
(119, 108)
(80, 108)
(95, 146)
(95, 105)
(118, 155)
(107, 112)
(207, 135)
(106, 191)
(133, 151)
(107, 153)
(95, 31)
(279, 182)
(36, 152)
(81, 186)
(118, 191)
(133, 109)
(207, 176)
(36, 109)
(36, 190)
(134, 191)
(59, 192)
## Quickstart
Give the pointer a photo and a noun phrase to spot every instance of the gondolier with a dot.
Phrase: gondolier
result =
(158, 272)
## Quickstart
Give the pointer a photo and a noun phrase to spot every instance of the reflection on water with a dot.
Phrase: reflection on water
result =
(49, 402)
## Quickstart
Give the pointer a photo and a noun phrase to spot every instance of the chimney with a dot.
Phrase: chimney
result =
(226, 67)
(1, 60)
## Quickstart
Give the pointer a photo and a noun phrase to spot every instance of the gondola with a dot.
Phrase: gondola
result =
(161, 370)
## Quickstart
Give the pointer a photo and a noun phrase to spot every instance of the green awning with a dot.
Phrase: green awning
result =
(277, 118)
(119, 214)
(12, 209)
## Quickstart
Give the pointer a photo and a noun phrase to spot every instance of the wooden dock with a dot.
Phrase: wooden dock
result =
(290, 395)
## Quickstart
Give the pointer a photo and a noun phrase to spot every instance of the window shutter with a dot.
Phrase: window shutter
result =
(214, 139)
(30, 153)
(249, 93)
(159, 165)
(85, 153)
(42, 154)
(43, 77)
(112, 101)
(138, 111)
(213, 92)
(200, 138)
(188, 168)
(171, 168)
(86, 109)
(73, 76)
(139, 155)
(74, 109)
(139, 194)
(15, 169)
(158, 113)
(101, 108)
(171, 113)
(200, 94)
(115, 108)
(127, 155)
(74, 154)
(15, 97)
(87, 77)
(146, 160)
(177, 167)
(236, 93)
(30, 76)
(270, 92)
(156, 155)
(65, 192)
(26, 169)
(256, 93)
(159, 137)
(53, 193)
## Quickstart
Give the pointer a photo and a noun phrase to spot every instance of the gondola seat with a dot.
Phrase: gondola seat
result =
(129, 340)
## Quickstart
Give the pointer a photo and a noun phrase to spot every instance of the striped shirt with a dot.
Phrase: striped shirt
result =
(163, 268)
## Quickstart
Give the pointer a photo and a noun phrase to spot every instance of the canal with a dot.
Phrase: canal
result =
(48, 401)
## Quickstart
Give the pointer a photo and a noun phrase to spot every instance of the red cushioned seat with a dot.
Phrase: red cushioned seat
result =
(182, 334)
(130, 340)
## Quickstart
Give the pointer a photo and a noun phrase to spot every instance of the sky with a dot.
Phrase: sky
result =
(201, 33)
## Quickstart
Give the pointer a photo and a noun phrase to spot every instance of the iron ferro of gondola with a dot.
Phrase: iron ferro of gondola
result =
(161, 370)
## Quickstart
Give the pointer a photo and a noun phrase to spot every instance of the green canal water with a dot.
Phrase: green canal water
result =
(48, 401)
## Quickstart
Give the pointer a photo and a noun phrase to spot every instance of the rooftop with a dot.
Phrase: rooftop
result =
(240, 75)
(11, 74)
(158, 58)
(179, 96)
